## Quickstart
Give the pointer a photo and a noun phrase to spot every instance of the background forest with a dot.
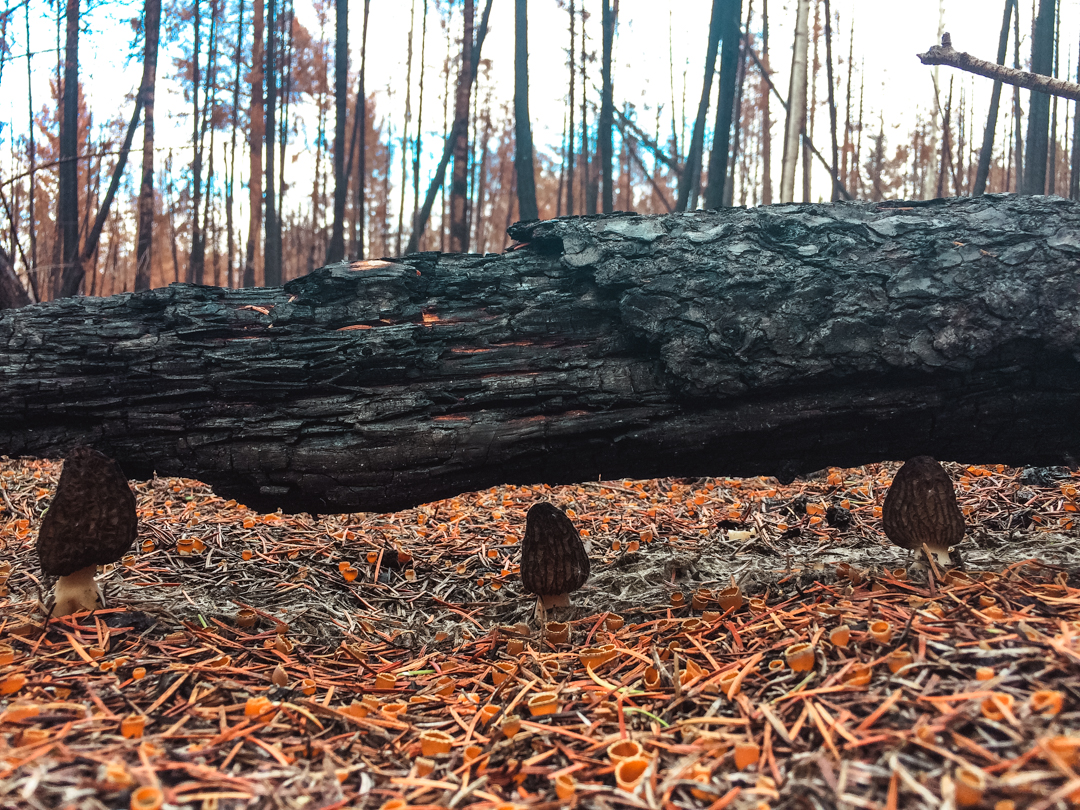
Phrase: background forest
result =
(252, 141)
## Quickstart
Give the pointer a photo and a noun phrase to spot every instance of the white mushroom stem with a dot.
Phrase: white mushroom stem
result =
(555, 600)
(77, 592)
(940, 552)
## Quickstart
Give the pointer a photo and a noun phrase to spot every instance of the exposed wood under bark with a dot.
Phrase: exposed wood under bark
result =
(775, 340)
(944, 54)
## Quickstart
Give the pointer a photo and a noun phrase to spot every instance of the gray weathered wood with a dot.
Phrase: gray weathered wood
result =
(775, 340)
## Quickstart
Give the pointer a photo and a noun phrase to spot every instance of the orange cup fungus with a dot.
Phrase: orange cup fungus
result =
(1047, 702)
(434, 742)
(565, 786)
(800, 657)
(898, 659)
(881, 632)
(624, 749)
(970, 786)
(629, 772)
(839, 636)
(543, 703)
(746, 754)
(147, 797)
(132, 726)
(997, 705)
(557, 632)
(858, 675)
(511, 725)
(730, 598)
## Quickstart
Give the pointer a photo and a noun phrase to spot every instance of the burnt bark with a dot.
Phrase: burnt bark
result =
(771, 341)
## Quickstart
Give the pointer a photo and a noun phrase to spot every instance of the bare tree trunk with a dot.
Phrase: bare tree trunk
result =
(987, 150)
(405, 130)
(12, 292)
(286, 45)
(588, 193)
(197, 255)
(256, 136)
(832, 101)
(360, 134)
(90, 244)
(1051, 158)
(312, 231)
(604, 124)
(450, 146)
(444, 211)
(692, 168)
(481, 189)
(570, 129)
(946, 145)
(1042, 62)
(523, 145)
(335, 252)
(766, 120)
(459, 180)
(71, 273)
(209, 103)
(272, 242)
(847, 153)
(738, 141)
(417, 141)
(1018, 116)
(858, 139)
(145, 234)
(32, 265)
(231, 276)
(814, 68)
(729, 69)
(1074, 165)
(173, 243)
(796, 112)
(474, 138)
(929, 178)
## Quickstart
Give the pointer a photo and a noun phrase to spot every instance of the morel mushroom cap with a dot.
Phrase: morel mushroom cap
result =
(90, 522)
(920, 508)
(553, 558)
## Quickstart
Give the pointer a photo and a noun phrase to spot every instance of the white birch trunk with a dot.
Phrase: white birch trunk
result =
(796, 112)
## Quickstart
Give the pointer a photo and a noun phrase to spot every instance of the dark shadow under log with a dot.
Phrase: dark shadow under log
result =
(775, 340)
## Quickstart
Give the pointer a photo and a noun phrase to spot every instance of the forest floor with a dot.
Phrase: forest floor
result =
(382, 661)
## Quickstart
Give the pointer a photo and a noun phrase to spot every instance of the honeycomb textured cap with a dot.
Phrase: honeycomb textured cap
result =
(91, 520)
(553, 558)
(921, 507)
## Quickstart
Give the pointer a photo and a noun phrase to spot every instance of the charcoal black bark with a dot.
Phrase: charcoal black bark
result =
(775, 340)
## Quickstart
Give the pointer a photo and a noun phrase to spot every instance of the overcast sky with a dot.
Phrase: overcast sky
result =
(658, 44)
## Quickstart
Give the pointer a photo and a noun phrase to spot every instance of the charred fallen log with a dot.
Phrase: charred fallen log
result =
(775, 340)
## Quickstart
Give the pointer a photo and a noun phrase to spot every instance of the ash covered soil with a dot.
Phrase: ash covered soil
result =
(417, 571)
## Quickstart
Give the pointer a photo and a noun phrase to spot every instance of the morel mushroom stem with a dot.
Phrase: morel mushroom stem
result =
(555, 600)
(78, 591)
(941, 553)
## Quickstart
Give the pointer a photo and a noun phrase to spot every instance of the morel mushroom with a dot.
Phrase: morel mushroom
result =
(90, 522)
(920, 509)
(553, 558)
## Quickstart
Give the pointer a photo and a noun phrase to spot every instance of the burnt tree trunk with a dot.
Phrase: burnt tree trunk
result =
(775, 340)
